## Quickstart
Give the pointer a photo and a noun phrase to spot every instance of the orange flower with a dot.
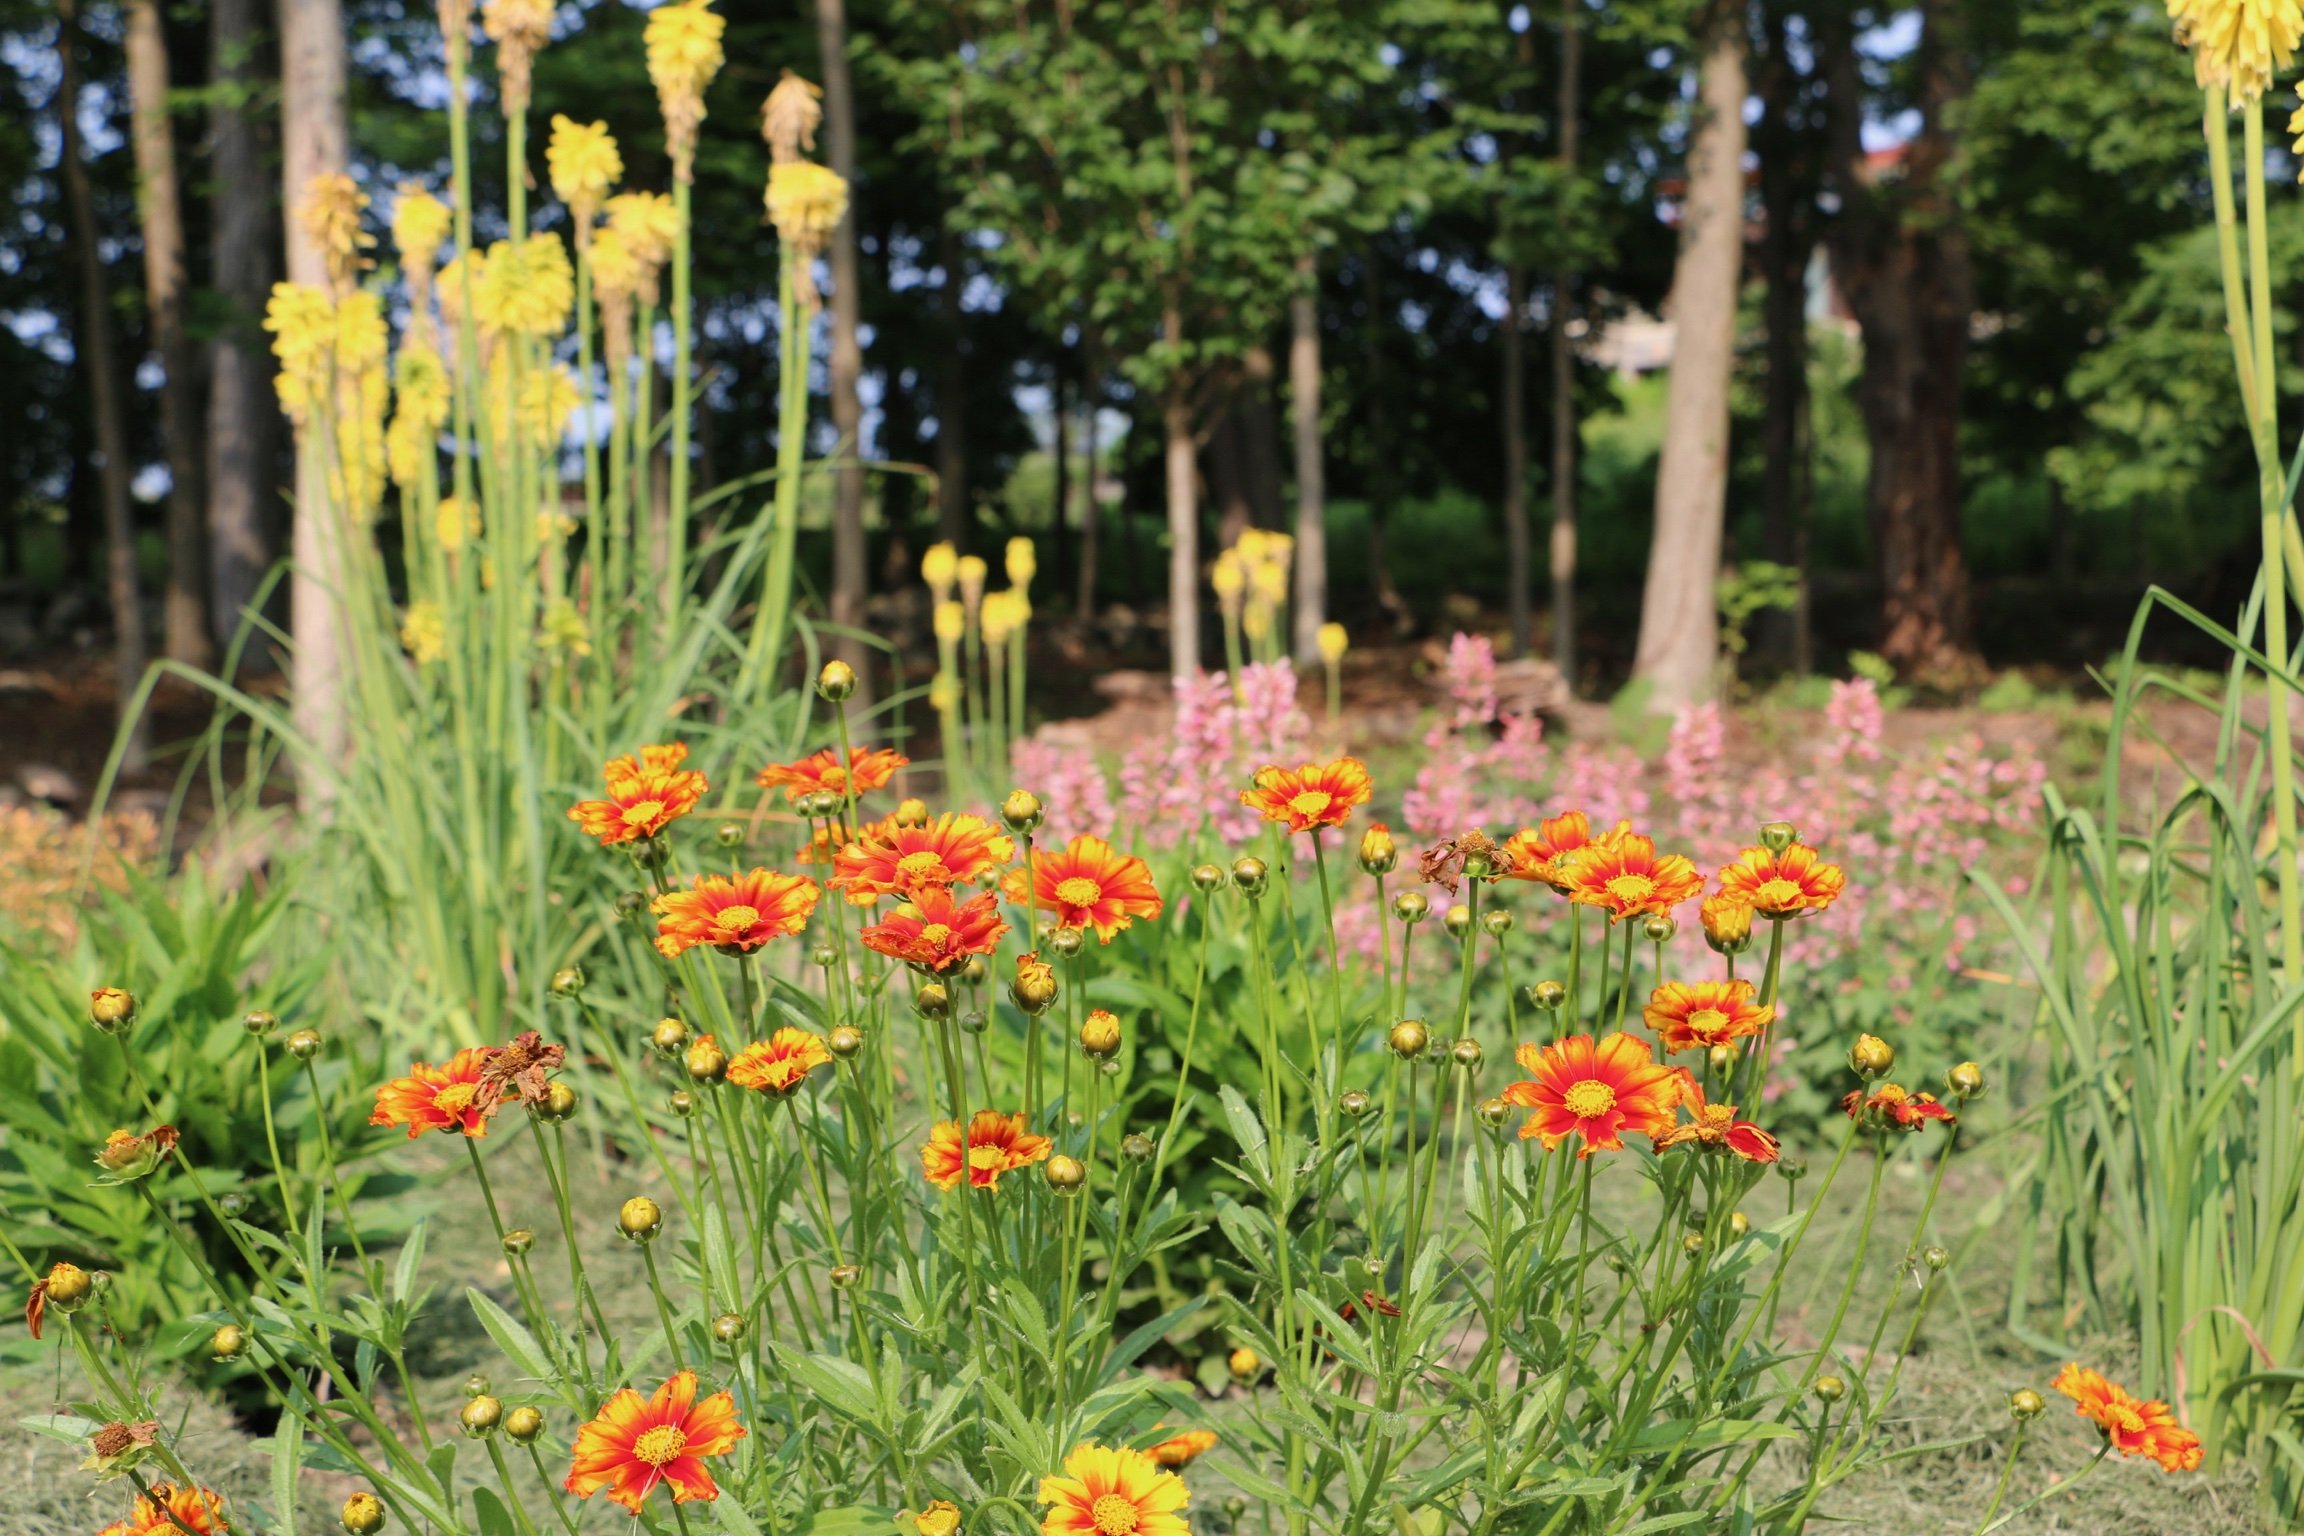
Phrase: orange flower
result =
(1311, 795)
(645, 795)
(903, 861)
(193, 1509)
(934, 931)
(779, 1064)
(826, 841)
(1892, 1105)
(997, 1144)
(1184, 1449)
(868, 768)
(1782, 884)
(733, 915)
(2134, 1426)
(1690, 1015)
(1113, 1491)
(636, 1443)
(1598, 1092)
(433, 1098)
(1625, 876)
(1087, 884)
(1541, 852)
(1716, 1125)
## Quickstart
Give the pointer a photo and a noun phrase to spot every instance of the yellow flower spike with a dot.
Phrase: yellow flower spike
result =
(330, 214)
(1334, 642)
(806, 201)
(1023, 562)
(1230, 579)
(615, 270)
(940, 567)
(455, 523)
(684, 53)
(420, 224)
(519, 29)
(526, 288)
(1001, 617)
(973, 571)
(2239, 44)
(951, 622)
(424, 633)
(649, 221)
(584, 164)
(788, 120)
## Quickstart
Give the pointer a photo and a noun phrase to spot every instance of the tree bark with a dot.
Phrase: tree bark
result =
(1564, 439)
(952, 399)
(99, 361)
(848, 546)
(1228, 473)
(161, 214)
(1060, 493)
(1787, 241)
(1679, 615)
(1311, 468)
(313, 143)
(1091, 510)
(1381, 587)
(1183, 509)
(241, 411)
(1259, 435)
(1514, 427)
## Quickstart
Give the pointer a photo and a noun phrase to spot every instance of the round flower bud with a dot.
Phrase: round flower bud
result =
(1378, 855)
(975, 1021)
(640, 1219)
(932, 1002)
(258, 1021)
(363, 1515)
(1478, 865)
(729, 1327)
(1777, 836)
(69, 1287)
(1234, 1508)
(523, 1424)
(567, 981)
(843, 1276)
(1353, 1102)
(1727, 925)
(1936, 1258)
(1249, 875)
(1721, 1059)
(1466, 1053)
(1830, 1389)
(821, 803)
(1457, 920)
(1693, 1242)
(682, 1103)
(481, 1416)
(1064, 1174)
(304, 1044)
(1065, 941)
(670, 1036)
(477, 1385)
(2025, 1404)
(989, 880)
(1871, 1056)
(1548, 995)
(1099, 1035)
(1408, 1039)
(1493, 1112)
(1243, 1364)
(844, 1041)
(631, 903)
(518, 1241)
(1966, 1081)
(1496, 922)
(1739, 1224)
(1659, 928)
(729, 834)
(837, 682)
(1411, 907)
(227, 1343)
(975, 971)
(1792, 1169)
(824, 956)
(1136, 1147)
(1206, 877)
(111, 1009)
(1022, 812)
(912, 812)
(1108, 1068)
(706, 1062)
(559, 1103)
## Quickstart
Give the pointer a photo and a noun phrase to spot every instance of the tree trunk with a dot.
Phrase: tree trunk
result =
(99, 361)
(241, 410)
(1381, 587)
(1564, 441)
(1060, 493)
(1183, 510)
(1679, 613)
(1259, 435)
(1900, 253)
(313, 144)
(1228, 473)
(952, 399)
(1787, 240)
(1311, 469)
(1514, 427)
(161, 213)
(1091, 510)
(848, 547)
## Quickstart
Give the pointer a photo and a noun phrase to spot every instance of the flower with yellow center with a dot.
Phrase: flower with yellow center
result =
(442, 1098)
(420, 225)
(526, 288)
(635, 1444)
(2238, 44)
(584, 164)
(684, 53)
(1113, 1491)
(1595, 1092)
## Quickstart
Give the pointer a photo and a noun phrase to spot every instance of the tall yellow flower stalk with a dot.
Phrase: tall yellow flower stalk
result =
(2239, 45)
(650, 226)
(519, 29)
(330, 214)
(585, 165)
(683, 43)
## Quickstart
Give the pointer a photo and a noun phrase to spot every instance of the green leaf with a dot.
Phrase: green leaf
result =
(411, 1259)
(287, 1456)
(848, 1520)
(59, 1426)
(511, 1336)
(495, 1519)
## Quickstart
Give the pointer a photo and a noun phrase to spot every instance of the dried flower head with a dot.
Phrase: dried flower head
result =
(519, 29)
(788, 118)
(684, 53)
(330, 217)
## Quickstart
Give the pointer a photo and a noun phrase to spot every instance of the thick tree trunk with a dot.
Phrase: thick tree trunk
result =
(1228, 473)
(1259, 435)
(313, 144)
(1787, 240)
(1311, 469)
(848, 547)
(99, 361)
(161, 213)
(1381, 587)
(1514, 427)
(952, 399)
(1679, 614)
(1564, 441)
(1183, 510)
(241, 411)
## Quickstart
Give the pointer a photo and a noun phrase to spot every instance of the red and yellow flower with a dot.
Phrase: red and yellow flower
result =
(1625, 876)
(1541, 852)
(1087, 883)
(2135, 1426)
(1696, 1015)
(1716, 1125)
(1595, 1092)
(779, 1064)
(192, 1509)
(867, 768)
(646, 794)
(1892, 1104)
(1311, 794)
(903, 861)
(935, 932)
(1113, 1491)
(733, 915)
(1782, 884)
(443, 1098)
(996, 1144)
(636, 1443)
(1184, 1449)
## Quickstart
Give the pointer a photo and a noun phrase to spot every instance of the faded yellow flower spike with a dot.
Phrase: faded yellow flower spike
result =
(2239, 44)
(683, 41)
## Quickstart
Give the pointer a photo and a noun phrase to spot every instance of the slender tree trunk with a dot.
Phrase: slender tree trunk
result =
(1380, 584)
(1259, 435)
(1228, 473)
(848, 547)
(1091, 510)
(1060, 493)
(1311, 468)
(99, 361)
(161, 213)
(241, 411)
(1785, 245)
(1183, 510)
(1564, 281)
(952, 399)
(1514, 428)
(313, 144)
(1679, 614)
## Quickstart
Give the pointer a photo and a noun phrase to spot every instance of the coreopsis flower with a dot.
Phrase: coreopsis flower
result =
(2238, 44)
(635, 1443)
(736, 915)
(1113, 1491)
(168, 1510)
(420, 225)
(1716, 1125)
(1890, 1104)
(1697, 1015)
(1596, 1092)
(1184, 1449)
(126, 1157)
(66, 1286)
(1034, 989)
(1087, 883)
(868, 768)
(995, 1144)
(789, 116)
(330, 215)
(1782, 884)
(1023, 562)
(1310, 795)
(778, 1065)
(806, 201)
(1541, 852)
(2134, 1426)
(119, 1445)
(1727, 922)
(525, 288)
(424, 632)
(584, 164)
(646, 794)
(1625, 877)
(442, 1098)
(935, 933)
(902, 861)
(683, 44)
